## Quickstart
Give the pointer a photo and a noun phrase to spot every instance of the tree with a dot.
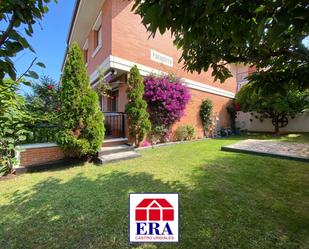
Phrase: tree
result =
(13, 117)
(81, 121)
(18, 14)
(212, 34)
(279, 107)
(136, 109)
(44, 101)
(205, 114)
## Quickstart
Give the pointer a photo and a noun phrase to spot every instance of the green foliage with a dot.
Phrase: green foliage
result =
(44, 101)
(103, 87)
(159, 134)
(184, 133)
(136, 109)
(81, 121)
(16, 14)
(211, 34)
(205, 114)
(279, 106)
(41, 133)
(13, 117)
(232, 111)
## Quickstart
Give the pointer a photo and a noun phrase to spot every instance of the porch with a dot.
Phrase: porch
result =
(113, 106)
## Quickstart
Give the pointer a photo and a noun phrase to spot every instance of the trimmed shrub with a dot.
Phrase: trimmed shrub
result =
(184, 133)
(81, 121)
(205, 114)
(159, 134)
(136, 109)
(167, 98)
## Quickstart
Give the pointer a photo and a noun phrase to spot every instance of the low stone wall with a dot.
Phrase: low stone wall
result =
(30, 155)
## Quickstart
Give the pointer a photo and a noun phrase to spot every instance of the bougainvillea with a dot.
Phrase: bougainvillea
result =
(167, 98)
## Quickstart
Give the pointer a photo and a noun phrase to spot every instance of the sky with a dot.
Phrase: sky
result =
(49, 41)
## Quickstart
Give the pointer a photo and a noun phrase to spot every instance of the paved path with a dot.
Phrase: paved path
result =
(287, 150)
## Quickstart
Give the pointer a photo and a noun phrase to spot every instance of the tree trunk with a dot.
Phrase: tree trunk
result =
(277, 128)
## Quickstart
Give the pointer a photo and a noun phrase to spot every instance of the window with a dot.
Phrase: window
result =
(97, 35)
(98, 38)
(86, 55)
(85, 50)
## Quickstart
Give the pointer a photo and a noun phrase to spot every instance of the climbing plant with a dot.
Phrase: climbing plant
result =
(205, 114)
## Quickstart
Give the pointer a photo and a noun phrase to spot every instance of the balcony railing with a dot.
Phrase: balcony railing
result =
(115, 124)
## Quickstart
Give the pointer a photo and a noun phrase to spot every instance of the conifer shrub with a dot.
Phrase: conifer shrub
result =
(81, 121)
(136, 109)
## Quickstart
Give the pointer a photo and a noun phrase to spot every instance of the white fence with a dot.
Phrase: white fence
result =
(299, 124)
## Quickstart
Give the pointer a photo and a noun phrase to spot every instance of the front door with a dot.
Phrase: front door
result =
(112, 101)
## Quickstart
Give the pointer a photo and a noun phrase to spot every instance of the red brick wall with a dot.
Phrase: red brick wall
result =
(130, 40)
(192, 117)
(40, 156)
(105, 51)
(124, 36)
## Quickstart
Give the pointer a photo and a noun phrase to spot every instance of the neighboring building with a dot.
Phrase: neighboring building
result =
(113, 38)
(247, 122)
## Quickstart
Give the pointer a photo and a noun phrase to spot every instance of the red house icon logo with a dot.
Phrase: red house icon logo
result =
(154, 210)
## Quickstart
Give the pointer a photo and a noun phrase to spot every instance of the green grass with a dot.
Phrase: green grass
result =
(227, 200)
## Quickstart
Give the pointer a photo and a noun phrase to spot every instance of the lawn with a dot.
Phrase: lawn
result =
(227, 200)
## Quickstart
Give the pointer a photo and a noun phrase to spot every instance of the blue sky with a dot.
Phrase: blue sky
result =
(49, 40)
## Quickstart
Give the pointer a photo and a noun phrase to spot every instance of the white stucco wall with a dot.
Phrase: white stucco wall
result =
(299, 124)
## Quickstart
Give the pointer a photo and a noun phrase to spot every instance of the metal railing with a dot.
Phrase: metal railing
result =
(115, 124)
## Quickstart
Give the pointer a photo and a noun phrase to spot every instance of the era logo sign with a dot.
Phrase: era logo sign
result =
(154, 218)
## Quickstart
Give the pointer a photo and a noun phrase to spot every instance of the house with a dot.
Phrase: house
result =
(113, 38)
(154, 210)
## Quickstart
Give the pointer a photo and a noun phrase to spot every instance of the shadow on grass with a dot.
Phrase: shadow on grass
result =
(230, 205)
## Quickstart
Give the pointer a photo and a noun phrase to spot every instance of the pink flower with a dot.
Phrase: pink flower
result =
(145, 143)
(167, 98)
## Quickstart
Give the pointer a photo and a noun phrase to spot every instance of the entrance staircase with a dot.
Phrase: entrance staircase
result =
(113, 152)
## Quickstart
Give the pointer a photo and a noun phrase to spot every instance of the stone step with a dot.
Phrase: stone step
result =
(110, 142)
(115, 149)
(118, 157)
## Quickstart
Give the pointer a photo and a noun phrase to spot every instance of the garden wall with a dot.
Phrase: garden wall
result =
(38, 154)
(299, 124)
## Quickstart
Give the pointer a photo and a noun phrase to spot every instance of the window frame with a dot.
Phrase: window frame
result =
(97, 35)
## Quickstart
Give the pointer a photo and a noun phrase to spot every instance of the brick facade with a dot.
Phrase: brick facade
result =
(125, 38)
(192, 117)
